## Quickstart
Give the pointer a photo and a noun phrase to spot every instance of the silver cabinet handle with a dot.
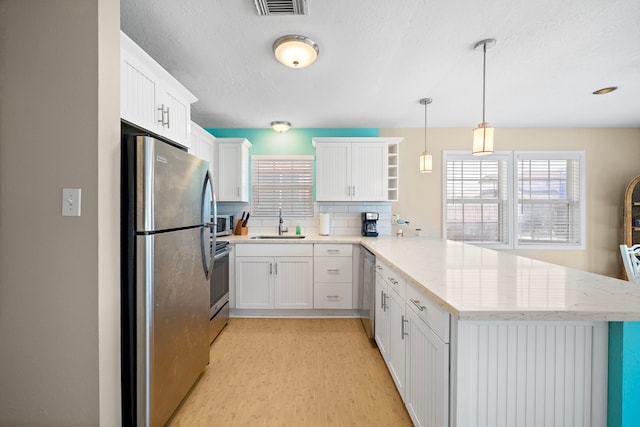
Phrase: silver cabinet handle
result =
(334, 297)
(270, 268)
(168, 124)
(354, 191)
(333, 251)
(382, 300)
(276, 267)
(333, 270)
(386, 298)
(348, 190)
(417, 304)
(402, 322)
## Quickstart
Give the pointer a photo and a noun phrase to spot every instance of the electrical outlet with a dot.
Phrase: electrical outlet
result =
(71, 201)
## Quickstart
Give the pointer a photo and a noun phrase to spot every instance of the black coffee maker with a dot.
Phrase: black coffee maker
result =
(369, 224)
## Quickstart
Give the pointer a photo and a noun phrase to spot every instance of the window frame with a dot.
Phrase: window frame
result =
(512, 157)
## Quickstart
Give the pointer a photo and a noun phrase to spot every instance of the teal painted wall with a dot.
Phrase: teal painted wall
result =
(623, 407)
(295, 141)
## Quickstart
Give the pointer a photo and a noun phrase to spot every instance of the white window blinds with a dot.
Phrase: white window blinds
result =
(549, 198)
(515, 199)
(477, 198)
(282, 182)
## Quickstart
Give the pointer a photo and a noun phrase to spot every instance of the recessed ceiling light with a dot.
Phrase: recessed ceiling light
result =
(605, 90)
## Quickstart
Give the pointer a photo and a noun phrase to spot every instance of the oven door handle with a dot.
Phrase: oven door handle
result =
(222, 254)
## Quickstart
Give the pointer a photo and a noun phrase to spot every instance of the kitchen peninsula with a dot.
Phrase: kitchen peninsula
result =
(524, 341)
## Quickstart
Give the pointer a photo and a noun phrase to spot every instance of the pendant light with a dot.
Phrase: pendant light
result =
(483, 134)
(426, 161)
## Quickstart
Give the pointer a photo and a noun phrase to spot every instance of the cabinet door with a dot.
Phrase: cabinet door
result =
(369, 164)
(138, 94)
(382, 317)
(254, 282)
(174, 114)
(427, 374)
(397, 330)
(333, 172)
(293, 282)
(233, 173)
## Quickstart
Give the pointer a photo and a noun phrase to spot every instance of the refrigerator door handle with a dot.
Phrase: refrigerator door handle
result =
(209, 212)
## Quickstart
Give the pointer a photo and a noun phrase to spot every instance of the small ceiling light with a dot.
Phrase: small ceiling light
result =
(605, 90)
(295, 51)
(483, 134)
(280, 126)
(426, 161)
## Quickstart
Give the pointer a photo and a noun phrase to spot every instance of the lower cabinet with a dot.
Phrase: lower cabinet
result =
(268, 282)
(397, 335)
(426, 392)
(382, 317)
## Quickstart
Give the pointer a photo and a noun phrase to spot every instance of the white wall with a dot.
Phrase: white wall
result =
(613, 159)
(59, 276)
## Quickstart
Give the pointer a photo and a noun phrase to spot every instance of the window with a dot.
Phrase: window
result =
(520, 199)
(282, 182)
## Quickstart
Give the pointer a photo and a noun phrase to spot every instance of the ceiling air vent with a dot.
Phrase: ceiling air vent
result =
(282, 7)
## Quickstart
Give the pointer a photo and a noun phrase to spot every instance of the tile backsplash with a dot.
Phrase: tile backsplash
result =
(345, 218)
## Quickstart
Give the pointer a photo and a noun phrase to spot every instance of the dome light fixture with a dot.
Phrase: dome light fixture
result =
(483, 134)
(280, 126)
(426, 160)
(295, 51)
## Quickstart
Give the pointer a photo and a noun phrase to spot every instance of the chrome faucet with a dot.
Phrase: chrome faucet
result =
(281, 227)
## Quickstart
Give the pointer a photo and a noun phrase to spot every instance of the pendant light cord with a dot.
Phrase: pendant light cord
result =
(484, 79)
(425, 127)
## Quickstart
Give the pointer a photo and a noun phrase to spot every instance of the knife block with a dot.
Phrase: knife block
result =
(240, 230)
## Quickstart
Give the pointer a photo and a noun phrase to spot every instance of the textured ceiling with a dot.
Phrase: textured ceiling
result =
(379, 57)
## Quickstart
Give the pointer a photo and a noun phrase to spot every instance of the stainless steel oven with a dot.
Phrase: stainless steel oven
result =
(219, 296)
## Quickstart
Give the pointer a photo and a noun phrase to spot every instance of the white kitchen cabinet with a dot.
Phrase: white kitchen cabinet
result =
(333, 276)
(150, 98)
(268, 282)
(352, 169)
(427, 374)
(397, 333)
(233, 169)
(202, 146)
(381, 334)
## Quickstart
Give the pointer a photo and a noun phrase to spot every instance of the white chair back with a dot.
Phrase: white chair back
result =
(631, 262)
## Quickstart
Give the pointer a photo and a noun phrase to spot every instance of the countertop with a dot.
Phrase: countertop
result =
(475, 283)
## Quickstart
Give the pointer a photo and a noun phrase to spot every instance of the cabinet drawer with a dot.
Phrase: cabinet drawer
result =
(274, 249)
(333, 269)
(332, 295)
(324, 249)
(431, 313)
(392, 277)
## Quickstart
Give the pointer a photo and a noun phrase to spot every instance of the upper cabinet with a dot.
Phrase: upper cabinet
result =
(150, 97)
(202, 145)
(356, 169)
(233, 169)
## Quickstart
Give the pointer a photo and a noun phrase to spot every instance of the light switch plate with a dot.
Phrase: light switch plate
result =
(71, 201)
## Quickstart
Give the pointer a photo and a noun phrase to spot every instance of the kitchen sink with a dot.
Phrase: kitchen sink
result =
(275, 236)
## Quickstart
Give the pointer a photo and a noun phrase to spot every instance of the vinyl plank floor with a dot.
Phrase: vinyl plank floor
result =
(293, 372)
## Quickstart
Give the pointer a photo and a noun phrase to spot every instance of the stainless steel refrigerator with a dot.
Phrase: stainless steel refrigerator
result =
(167, 236)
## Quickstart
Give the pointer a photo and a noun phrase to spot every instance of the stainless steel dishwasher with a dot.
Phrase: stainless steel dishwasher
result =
(367, 290)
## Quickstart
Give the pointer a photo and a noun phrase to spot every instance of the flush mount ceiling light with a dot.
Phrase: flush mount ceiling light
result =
(605, 90)
(280, 126)
(483, 134)
(426, 161)
(295, 51)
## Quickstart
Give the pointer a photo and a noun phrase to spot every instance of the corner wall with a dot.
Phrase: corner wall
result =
(59, 276)
(612, 157)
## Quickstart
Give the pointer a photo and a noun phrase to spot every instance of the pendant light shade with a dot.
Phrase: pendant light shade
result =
(295, 51)
(483, 134)
(426, 160)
